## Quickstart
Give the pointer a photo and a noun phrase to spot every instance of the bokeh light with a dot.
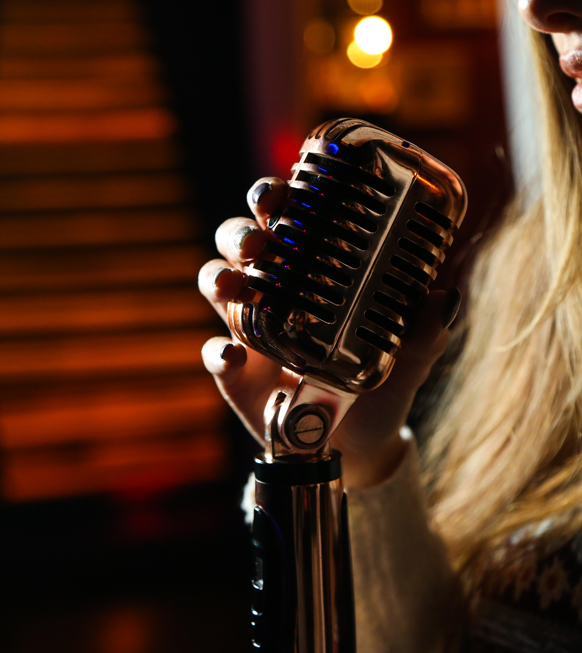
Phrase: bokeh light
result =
(319, 37)
(365, 7)
(362, 59)
(373, 35)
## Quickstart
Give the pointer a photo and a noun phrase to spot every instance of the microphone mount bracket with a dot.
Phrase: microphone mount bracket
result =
(301, 415)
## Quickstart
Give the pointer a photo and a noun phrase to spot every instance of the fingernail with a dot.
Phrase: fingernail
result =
(219, 273)
(259, 191)
(274, 219)
(242, 234)
(224, 349)
(451, 307)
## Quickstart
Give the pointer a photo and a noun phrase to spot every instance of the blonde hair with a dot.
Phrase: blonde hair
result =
(505, 454)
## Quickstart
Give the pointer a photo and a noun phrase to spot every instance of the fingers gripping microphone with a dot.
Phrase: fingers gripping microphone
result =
(367, 222)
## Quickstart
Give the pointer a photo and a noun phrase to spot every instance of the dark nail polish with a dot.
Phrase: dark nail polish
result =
(451, 307)
(274, 219)
(242, 234)
(260, 190)
(224, 350)
(219, 273)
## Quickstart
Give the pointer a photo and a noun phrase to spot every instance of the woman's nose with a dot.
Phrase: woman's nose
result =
(552, 16)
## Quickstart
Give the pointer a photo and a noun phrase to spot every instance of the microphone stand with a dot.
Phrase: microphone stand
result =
(302, 599)
(366, 223)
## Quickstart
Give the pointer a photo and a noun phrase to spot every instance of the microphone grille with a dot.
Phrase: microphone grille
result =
(322, 236)
(366, 225)
(400, 282)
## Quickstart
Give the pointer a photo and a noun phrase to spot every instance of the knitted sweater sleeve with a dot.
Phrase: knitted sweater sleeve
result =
(406, 595)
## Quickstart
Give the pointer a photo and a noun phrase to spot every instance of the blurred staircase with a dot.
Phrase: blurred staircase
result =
(101, 384)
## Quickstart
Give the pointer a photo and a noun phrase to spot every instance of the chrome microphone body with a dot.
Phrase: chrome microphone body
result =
(349, 257)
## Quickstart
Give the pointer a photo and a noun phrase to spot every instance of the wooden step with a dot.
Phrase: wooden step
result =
(108, 268)
(103, 355)
(72, 39)
(114, 467)
(103, 311)
(68, 11)
(101, 326)
(30, 159)
(82, 228)
(131, 66)
(22, 95)
(120, 125)
(92, 191)
(130, 412)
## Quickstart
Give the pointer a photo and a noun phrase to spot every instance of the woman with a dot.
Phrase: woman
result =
(503, 468)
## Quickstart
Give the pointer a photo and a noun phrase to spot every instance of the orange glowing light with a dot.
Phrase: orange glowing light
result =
(365, 7)
(373, 35)
(362, 59)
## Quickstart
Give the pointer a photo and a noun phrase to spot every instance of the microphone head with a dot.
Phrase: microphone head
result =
(367, 222)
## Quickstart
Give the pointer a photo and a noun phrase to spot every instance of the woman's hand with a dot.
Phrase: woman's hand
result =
(369, 435)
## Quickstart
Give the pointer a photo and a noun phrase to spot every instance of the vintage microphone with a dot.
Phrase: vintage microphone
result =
(368, 219)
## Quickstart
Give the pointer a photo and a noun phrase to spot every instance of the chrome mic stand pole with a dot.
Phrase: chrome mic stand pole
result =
(302, 588)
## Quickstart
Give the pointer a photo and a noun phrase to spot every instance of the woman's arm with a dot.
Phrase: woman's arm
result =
(407, 598)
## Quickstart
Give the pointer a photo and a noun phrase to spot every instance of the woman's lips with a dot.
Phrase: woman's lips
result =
(571, 64)
(577, 96)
